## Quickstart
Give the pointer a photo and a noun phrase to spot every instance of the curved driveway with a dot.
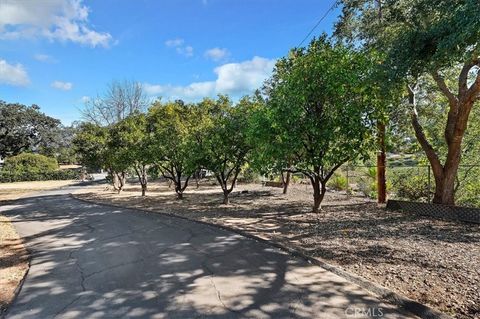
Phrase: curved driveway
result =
(92, 261)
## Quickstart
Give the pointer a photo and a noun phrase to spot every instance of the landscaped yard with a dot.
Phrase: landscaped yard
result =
(432, 261)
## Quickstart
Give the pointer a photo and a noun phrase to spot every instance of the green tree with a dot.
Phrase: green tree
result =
(266, 159)
(424, 39)
(24, 128)
(130, 140)
(90, 144)
(317, 110)
(94, 148)
(171, 125)
(223, 146)
(60, 145)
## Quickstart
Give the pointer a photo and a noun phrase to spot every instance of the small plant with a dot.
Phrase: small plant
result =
(367, 184)
(296, 179)
(338, 182)
(249, 176)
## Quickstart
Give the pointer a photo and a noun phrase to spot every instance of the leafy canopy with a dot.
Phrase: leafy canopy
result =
(172, 125)
(24, 128)
(318, 114)
(417, 35)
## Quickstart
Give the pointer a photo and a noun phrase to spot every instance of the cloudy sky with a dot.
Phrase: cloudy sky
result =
(58, 53)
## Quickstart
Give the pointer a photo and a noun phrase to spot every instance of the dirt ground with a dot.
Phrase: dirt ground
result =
(432, 261)
(13, 255)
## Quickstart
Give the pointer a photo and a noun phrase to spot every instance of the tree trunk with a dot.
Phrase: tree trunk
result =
(226, 199)
(444, 175)
(286, 181)
(319, 190)
(142, 178)
(121, 181)
(445, 185)
(179, 195)
(114, 180)
(381, 165)
(197, 178)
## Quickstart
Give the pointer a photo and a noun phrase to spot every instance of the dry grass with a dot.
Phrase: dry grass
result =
(13, 262)
(11, 191)
(432, 261)
(13, 255)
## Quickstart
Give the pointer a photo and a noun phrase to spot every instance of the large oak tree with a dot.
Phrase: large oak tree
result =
(421, 38)
(24, 128)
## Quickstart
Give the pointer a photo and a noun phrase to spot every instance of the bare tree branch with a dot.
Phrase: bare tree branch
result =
(119, 101)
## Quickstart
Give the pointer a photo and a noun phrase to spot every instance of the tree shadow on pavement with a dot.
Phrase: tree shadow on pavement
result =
(93, 261)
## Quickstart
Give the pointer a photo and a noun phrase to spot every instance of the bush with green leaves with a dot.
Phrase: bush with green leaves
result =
(366, 182)
(33, 167)
(338, 182)
(11, 177)
(249, 175)
(30, 163)
(468, 195)
(411, 185)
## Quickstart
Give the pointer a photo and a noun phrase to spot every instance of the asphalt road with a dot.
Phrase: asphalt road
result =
(91, 261)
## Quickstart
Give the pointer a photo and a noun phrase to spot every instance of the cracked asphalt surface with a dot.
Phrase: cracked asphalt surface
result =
(93, 261)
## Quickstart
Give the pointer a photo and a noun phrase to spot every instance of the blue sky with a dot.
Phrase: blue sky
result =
(58, 53)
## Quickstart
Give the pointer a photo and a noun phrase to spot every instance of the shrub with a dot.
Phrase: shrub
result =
(249, 176)
(33, 167)
(367, 183)
(410, 185)
(10, 177)
(295, 179)
(468, 193)
(468, 196)
(338, 182)
(27, 163)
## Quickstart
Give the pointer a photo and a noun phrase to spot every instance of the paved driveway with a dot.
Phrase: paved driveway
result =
(91, 261)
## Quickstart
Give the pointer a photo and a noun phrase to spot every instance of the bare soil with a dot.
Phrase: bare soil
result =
(432, 261)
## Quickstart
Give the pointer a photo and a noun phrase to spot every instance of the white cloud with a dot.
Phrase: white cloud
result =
(13, 74)
(62, 20)
(174, 42)
(180, 46)
(186, 51)
(236, 79)
(241, 77)
(64, 86)
(85, 99)
(217, 54)
(44, 58)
